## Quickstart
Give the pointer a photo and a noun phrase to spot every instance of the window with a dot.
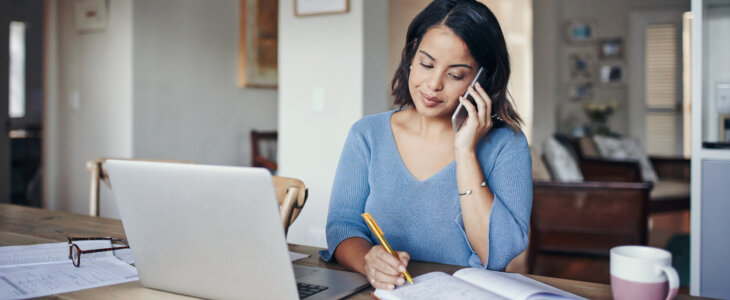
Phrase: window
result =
(662, 70)
(17, 70)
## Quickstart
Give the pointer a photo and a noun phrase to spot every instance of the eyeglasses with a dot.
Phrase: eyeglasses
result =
(74, 252)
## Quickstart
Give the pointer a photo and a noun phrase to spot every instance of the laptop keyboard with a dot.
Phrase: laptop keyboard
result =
(306, 290)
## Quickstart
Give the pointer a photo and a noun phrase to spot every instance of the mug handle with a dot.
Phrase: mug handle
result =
(672, 278)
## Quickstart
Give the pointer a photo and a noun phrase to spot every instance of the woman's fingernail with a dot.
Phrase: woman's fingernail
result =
(390, 286)
(401, 281)
(401, 269)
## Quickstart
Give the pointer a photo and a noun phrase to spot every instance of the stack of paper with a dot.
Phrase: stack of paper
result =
(45, 269)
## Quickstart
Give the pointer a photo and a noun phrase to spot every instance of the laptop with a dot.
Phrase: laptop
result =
(214, 232)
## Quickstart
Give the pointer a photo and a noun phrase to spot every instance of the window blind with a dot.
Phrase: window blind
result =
(661, 88)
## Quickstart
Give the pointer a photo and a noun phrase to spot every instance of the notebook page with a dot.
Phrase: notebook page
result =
(511, 285)
(436, 285)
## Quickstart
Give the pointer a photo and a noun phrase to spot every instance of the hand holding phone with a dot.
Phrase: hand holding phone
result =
(460, 115)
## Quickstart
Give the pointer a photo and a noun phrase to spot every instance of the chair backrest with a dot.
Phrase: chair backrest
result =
(263, 149)
(587, 219)
(98, 173)
(291, 193)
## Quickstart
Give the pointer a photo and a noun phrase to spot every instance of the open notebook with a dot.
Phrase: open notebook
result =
(472, 283)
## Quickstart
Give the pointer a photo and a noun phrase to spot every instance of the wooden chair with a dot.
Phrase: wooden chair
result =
(574, 225)
(291, 193)
(98, 173)
(263, 149)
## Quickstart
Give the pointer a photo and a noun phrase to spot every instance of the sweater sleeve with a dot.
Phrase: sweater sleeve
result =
(350, 191)
(511, 184)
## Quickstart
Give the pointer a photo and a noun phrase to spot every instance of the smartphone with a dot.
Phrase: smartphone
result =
(460, 115)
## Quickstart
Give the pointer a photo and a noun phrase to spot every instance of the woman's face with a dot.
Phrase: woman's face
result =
(441, 72)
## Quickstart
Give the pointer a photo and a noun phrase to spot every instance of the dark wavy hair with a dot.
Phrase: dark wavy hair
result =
(477, 26)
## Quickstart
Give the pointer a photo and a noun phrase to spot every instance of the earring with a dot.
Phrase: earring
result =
(410, 67)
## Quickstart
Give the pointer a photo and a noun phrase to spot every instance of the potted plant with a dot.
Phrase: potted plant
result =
(598, 113)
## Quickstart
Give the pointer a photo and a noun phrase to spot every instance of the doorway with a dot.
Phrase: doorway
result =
(656, 55)
(21, 99)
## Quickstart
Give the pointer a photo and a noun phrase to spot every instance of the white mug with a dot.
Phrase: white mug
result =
(641, 272)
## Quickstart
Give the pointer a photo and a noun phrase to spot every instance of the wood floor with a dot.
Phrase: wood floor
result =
(662, 227)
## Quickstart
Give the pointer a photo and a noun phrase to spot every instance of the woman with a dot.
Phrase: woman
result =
(412, 172)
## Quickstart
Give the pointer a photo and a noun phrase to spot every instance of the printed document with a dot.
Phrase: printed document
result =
(45, 269)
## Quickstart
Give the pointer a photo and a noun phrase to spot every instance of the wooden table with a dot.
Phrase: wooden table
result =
(24, 226)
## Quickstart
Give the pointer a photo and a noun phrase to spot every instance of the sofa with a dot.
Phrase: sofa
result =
(616, 159)
(576, 222)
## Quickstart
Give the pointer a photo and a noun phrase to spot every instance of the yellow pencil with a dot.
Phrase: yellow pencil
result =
(381, 237)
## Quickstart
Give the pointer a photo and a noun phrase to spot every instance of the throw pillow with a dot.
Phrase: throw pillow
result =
(561, 162)
(626, 149)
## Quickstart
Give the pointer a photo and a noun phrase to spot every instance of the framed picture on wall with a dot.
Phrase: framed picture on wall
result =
(612, 73)
(581, 90)
(612, 48)
(258, 43)
(90, 15)
(581, 67)
(320, 7)
(580, 31)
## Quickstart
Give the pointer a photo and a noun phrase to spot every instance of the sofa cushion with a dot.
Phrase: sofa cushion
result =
(670, 189)
(626, 149)
(561, 163)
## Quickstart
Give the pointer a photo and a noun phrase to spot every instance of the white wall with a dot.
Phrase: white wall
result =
(50, 106)
(376, 83)
(717, 67)
(187, 104)
(88, 111)
(324, 88)
(546, 36)
(320, 60)
(159, 82)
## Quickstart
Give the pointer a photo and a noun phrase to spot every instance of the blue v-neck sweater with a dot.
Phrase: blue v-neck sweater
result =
(423, 217)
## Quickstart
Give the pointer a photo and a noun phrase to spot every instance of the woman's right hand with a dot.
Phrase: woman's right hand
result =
(383, 270)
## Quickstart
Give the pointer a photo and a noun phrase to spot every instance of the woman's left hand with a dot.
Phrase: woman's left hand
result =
(479, 121)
